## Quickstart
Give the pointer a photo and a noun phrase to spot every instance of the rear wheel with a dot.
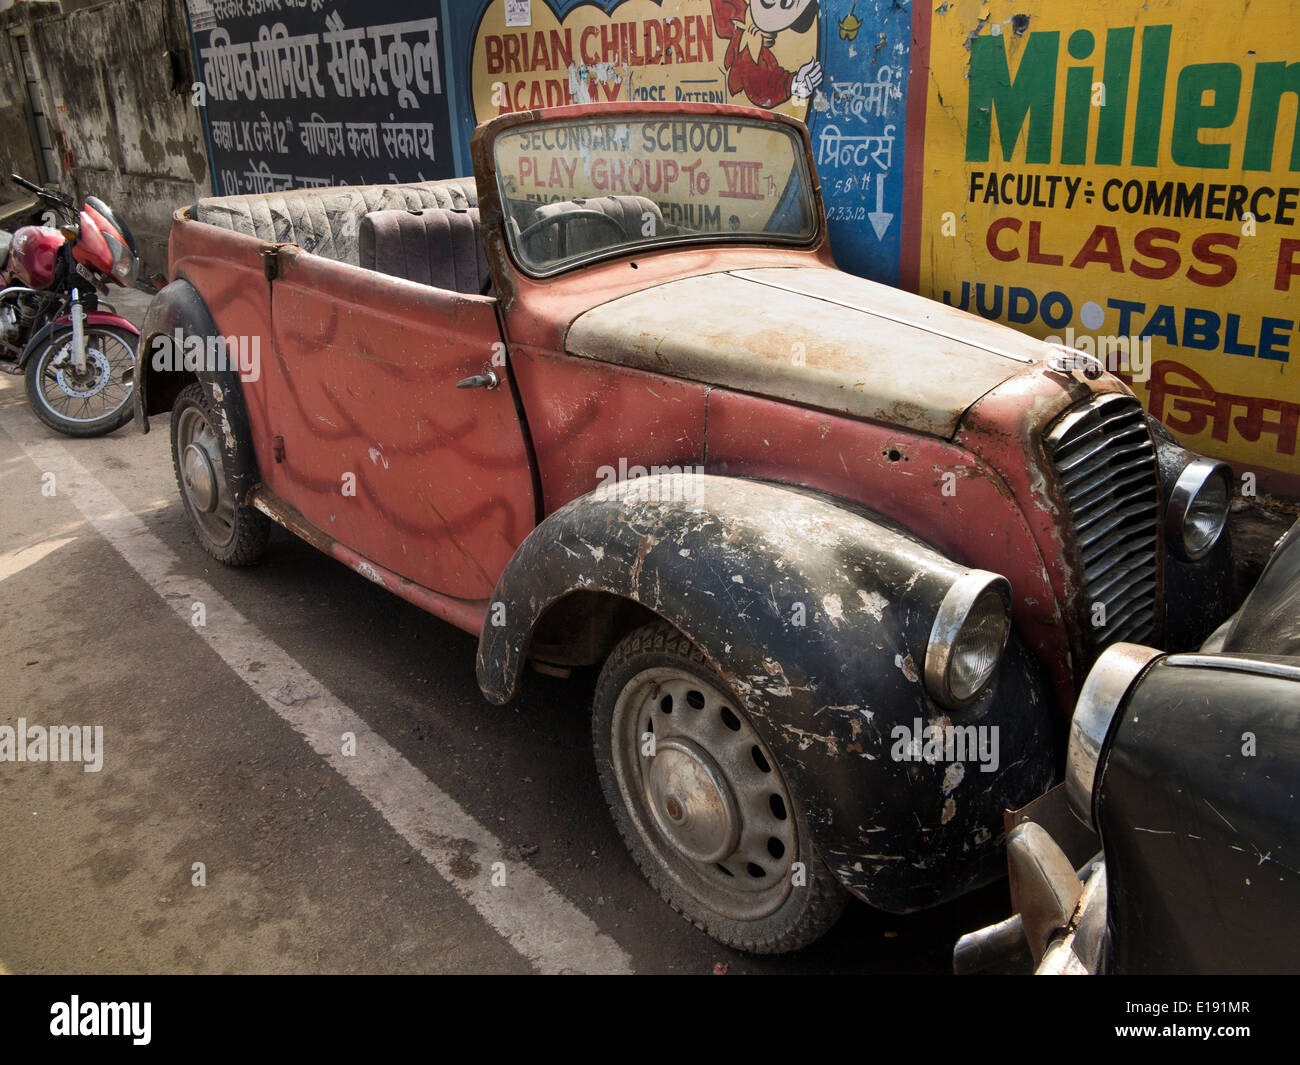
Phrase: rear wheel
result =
(92, 402)
(702, 803)
(229, 531)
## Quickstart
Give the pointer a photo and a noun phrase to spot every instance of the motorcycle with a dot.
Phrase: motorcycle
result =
(75, 351)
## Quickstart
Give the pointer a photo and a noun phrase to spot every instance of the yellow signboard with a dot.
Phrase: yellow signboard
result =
(1125, 178)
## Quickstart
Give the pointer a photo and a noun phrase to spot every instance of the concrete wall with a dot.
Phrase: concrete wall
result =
(118, 77)
(15, 139)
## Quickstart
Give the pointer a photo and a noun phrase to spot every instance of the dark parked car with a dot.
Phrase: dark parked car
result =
(1185, 771)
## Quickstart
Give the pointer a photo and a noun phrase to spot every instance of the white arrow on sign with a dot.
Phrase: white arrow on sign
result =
(880, 218)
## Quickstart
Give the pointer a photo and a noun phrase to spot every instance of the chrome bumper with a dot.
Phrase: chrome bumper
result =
(1058, 895)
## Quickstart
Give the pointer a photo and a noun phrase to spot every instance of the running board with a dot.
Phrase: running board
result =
(466, 614)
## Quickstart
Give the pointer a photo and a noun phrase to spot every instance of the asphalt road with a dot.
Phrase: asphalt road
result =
(220, 747)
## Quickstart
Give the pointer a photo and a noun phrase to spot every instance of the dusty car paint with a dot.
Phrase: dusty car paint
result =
(732, 573)
(527, 549)
(1200, 828)
(753, 331)
(1269, 620)
(354, 369)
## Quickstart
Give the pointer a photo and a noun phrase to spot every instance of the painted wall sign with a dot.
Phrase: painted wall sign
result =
(1123, 177)
(842, 66)
(703, 177)
(301, 93)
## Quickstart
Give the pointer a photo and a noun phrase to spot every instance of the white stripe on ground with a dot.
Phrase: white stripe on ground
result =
(532, 916)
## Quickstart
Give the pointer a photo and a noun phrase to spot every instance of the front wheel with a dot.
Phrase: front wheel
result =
(228, 531)
(91, 402)
(702, 803)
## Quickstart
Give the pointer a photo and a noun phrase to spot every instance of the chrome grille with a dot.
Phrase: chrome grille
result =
(1106, 468)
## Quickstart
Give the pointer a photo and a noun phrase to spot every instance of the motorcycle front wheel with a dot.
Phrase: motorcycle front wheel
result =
(93, 402)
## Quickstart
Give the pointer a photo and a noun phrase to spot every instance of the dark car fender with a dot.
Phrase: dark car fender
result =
(1196, 804)
(817, 616)
(178, 309)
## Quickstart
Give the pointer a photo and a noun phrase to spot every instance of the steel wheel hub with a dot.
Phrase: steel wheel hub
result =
(704, 793)
(200, 479)
(691, 801)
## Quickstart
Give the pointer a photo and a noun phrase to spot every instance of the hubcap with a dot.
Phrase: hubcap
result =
(704, 793)
(200, 479)
(692, 802)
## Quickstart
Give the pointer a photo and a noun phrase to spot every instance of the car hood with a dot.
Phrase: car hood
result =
(815, 336)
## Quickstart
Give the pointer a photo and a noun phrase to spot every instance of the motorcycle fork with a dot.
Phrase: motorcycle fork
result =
(78, 333)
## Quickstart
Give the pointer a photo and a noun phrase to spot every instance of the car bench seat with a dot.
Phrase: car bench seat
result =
(327, 222)
(437, 247)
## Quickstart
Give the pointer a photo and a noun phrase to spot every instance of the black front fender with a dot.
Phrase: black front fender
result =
(178, 306)
(179, 311)
(818, 617)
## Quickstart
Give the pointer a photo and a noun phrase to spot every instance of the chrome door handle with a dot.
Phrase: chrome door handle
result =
(487, 379)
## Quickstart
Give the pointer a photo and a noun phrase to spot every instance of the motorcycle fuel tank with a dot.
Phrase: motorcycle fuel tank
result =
(34, 255)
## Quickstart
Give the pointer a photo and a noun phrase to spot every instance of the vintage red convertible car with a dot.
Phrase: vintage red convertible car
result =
(844, 555)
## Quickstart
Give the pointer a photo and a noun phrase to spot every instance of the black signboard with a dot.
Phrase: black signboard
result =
(310, 93)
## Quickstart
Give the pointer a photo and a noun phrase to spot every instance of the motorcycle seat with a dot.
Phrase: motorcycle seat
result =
(5, 240)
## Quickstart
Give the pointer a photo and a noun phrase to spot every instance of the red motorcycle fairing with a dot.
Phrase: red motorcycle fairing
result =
(33, 255)
(91, 248)
(104, 223)
(110, 221)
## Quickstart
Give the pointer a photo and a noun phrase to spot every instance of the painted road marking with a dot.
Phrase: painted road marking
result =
(532, 916)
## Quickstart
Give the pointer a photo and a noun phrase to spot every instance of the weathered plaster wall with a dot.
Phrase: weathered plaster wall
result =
(15, 141)
(118, 74)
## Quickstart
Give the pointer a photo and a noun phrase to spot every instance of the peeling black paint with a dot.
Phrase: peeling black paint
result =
(180, 307)
(825, 695)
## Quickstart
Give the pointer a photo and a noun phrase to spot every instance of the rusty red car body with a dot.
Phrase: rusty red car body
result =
(466, 501)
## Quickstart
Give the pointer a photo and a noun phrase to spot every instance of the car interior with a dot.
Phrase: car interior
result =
(427, 232)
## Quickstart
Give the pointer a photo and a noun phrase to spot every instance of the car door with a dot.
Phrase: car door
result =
(381, 451)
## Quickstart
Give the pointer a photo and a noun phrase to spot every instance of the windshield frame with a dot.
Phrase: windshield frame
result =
(492, 207)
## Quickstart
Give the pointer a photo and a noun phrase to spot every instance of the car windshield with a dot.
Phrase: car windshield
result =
(579, 189)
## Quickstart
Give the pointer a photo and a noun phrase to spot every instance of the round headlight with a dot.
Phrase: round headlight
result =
(1104, 689)
(968, 637)
(1198, 508)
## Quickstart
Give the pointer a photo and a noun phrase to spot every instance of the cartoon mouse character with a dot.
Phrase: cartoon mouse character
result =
(751, 26)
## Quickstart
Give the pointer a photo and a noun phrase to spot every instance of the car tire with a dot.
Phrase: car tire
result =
(228, 531)
(708, 816)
